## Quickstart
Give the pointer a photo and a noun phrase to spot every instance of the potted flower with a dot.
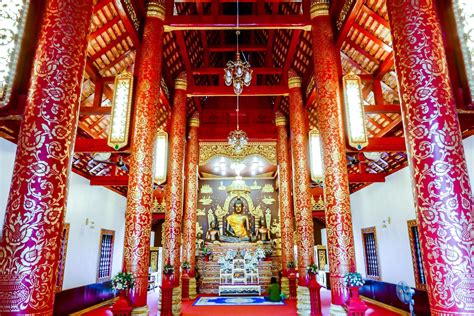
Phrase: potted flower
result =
(312, 269)
(123, 282)
(206, 252)
(268, 254)
(186, 266)
(168, 269)
(354, 281)
(291, 267)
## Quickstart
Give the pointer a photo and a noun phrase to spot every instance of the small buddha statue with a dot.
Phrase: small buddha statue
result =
(212, 233)
(199, 241)
(238, 225)
(263, 233)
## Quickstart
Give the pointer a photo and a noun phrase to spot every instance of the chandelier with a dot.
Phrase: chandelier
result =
(237, 139)
(238, 73)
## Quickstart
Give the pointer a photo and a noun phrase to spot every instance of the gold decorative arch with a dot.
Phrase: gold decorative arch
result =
(209, 150)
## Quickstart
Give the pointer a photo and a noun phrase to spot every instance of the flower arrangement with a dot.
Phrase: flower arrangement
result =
(290, 265)
(168, 269)
(312, 269)
(123, 281)
(260, 254)
(206, 251)
(186, 265)
(353, 279)
(268, 252)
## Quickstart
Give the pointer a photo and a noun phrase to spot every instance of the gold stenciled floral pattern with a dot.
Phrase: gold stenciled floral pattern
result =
(29, 251)
(336, 183)
(285, 198)
(190, 198)
(442, 192)
(174, 188)
(139, 196)
(302, 200)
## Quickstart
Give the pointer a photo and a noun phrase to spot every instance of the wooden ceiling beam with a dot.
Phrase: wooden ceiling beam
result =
(373, 38)
(209, 91)
(204, 71)
(385, 108)
(362, 51)
(385, 67)
(383, 144)
(132, 29)
(119, 181)
(231, 48)
(109, 46)
(375, 16)
(392, 125)
(95, 110)
(104, 27)
(366, 177)
(349, 22)
(116, 61)
(247, 22)
(187, 64)
(89, 145)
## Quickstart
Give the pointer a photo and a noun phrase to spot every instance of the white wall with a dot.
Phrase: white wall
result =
(104, 207)
(394, 199)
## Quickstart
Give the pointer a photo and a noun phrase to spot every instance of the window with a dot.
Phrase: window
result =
(106, 250)
(420, 280)
(12, 19)
(369, 239)
(62, 257)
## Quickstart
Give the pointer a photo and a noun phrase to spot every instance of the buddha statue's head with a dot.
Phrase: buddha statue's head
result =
(238, 206)
(213, 225)
(199, 235)
(262, 222)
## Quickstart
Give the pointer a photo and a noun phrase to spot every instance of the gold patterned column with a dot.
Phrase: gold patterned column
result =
(336, 182)
(190, 201)
(34, 216)
(299, 127)
(285, 198)
(175, 185)
(140, 189)
(441, 186)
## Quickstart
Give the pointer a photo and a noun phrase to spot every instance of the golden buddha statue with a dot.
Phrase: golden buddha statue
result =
(238, 225)
(263, 233)
(212, 233)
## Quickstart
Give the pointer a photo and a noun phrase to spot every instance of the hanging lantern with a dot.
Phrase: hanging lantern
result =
(355, 114)
(121, 108)
(161, 157)
(315, 156)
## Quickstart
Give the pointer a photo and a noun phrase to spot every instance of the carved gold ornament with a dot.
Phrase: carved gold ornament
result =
(200, 212)
(268, 200)
(319, 205)
(255, 186)
(209, 150)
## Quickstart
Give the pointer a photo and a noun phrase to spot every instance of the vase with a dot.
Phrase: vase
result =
(206, 258)
(354, 294)
(123, 302)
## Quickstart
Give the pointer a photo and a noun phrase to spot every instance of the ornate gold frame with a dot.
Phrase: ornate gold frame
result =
(265, 150)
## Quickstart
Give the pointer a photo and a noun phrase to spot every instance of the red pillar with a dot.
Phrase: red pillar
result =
(175, 183)
(190, 200)
(140, 189)
(442, 192)
(299, 127)
(285, 200)
(29, 251)
(327, 75)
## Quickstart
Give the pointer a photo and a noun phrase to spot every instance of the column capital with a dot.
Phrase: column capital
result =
(280, 119)
(294, 80)
(181, 83)
(156, 9)
(194, 120)
(319, 8)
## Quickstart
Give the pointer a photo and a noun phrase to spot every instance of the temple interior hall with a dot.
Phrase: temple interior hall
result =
(236, 157)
